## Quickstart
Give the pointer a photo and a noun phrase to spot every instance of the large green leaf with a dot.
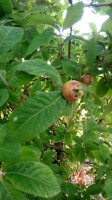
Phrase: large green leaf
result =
(36, 115)
(9, 149)
(37, 19)
(28, 153)
(19, 78)
(6, 6)
(92, 52)
(9, 36)
(108, 187)
(8, 192)
(4, 95)
(74, 14)
(33, 178)
(40, 67)
(40, 40)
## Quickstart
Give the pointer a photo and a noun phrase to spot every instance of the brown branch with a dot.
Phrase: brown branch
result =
(70, 42)
(99, 5)
(69, 45)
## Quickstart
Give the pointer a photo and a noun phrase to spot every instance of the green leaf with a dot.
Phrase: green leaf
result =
(47, 157)
(99, 157)
(40, 40)
(107, 26)
(6, 5)
(101, 88)
(8, 192)
(104, 149)
(67, 139)
(69, 188)
(108, 187)
(89, 90)
(86, 135)
(9, 149)
(19, 78)
(93, 27)
(35, 115)
(30, 33)
(94, 137)
(92, 52)
(81, 156)
(93, 189)
(3, 130)
(4, 95)
(33, 178)
(74, 14)
(109, 162)
(108, 109)
(75, 37)
(71, 69)
(40, 67)
(39, 8)
(45, 54)
(100, 172)
(77, 140)
(59, 134)
(37, 19)
(28, 153)
(109, 12)
(9, 36)
(4, 58)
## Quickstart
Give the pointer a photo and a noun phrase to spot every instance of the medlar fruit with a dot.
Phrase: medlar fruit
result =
(86, 79)
(72, 90)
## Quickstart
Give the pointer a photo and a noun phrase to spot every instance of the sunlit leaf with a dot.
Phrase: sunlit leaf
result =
(74, 14)
(9, 36)
(35, 115)
(33, 178)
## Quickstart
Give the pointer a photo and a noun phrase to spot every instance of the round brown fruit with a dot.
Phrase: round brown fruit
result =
(86, 79)
(72, 90)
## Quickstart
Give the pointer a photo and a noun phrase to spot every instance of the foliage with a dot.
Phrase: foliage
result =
(42, 136)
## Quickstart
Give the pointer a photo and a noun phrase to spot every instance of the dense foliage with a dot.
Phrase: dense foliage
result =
(44, 139)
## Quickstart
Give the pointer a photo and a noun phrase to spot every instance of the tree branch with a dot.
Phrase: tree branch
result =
(70, 42)
(99, 5)
(69, 45)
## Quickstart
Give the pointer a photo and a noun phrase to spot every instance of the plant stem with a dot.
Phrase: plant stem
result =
(4, 81)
